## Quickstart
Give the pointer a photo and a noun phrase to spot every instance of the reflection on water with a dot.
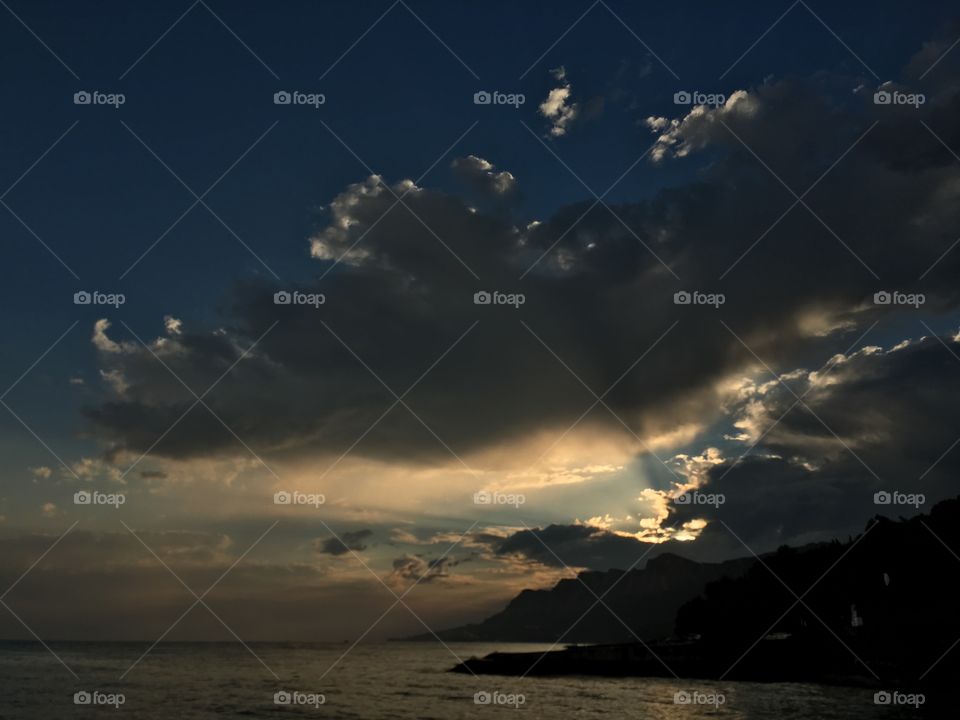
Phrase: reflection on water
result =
(375, 682)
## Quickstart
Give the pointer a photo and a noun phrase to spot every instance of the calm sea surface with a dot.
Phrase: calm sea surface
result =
(371, 682)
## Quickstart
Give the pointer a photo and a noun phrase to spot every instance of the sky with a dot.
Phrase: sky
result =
(390, 434)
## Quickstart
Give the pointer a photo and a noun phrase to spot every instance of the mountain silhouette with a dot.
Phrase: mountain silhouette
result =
(878, 609)
(642, 603)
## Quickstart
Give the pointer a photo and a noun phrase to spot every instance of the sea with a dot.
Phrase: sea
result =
(375, 682)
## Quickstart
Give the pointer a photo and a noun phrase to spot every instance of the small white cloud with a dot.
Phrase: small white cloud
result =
(96, 469)
(100, 340)
(657, 123)
(173, 325)
(557, 107)
(42, 472)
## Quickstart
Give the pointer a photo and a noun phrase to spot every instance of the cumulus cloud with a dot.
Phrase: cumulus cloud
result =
(100, 340)
(701, 127)
(873, 420)
(558, 108)
(92, 469)
(482, 177)
(173, 325)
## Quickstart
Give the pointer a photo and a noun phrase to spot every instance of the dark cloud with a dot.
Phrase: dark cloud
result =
(872, 421)
(417, 568)
(575, 546)
(400, 296)
(481, 177)
(877, 420)
(153, 474)
(352, 540)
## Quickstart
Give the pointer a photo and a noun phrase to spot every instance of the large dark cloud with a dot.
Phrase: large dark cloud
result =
(399, 299)
(871, 421)
(879, 420)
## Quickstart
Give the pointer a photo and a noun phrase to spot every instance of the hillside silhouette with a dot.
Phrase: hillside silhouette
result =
(878, 609)
(644, 604)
